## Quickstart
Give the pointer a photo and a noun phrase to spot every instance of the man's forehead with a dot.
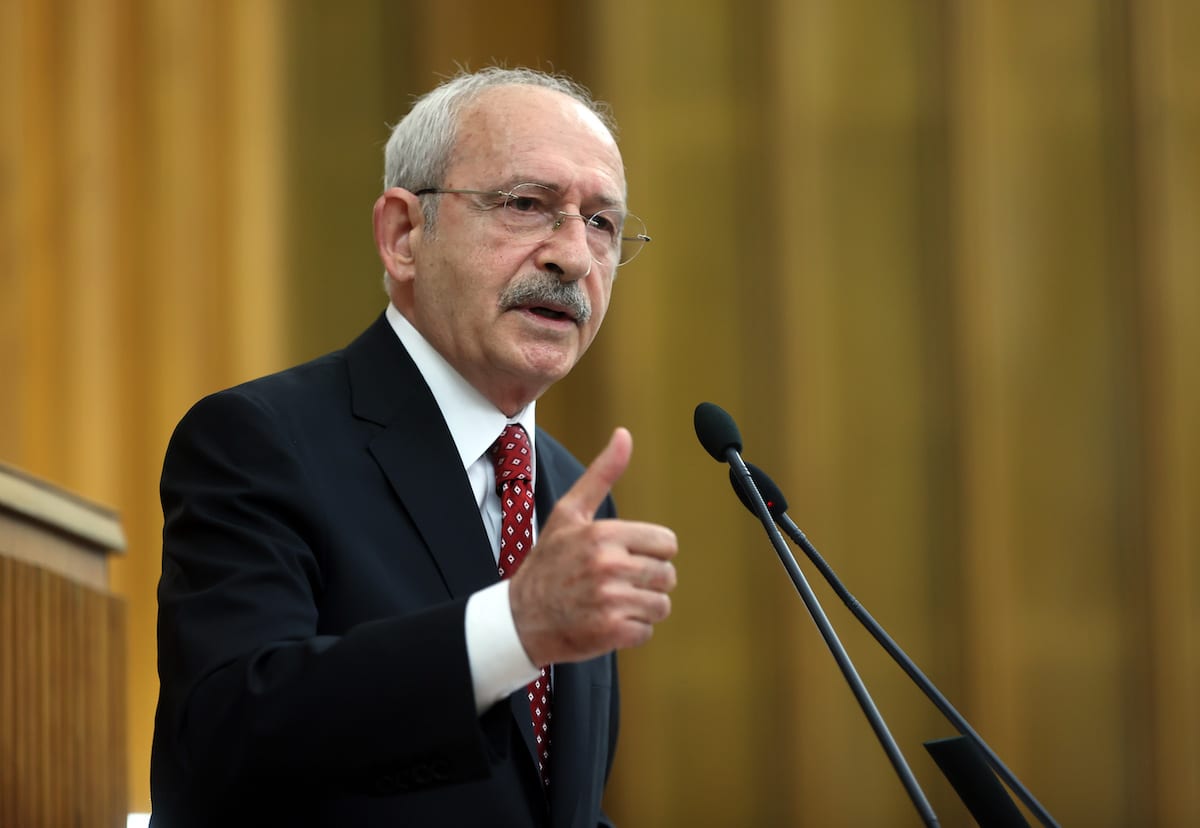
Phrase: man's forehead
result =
(521, 102)
(513, 125)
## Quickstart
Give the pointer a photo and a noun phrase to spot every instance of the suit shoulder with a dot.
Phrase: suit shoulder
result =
(298, 384)
(268, 408)
(323, 374)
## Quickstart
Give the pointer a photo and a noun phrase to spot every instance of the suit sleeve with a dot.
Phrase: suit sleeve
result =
(251, 690)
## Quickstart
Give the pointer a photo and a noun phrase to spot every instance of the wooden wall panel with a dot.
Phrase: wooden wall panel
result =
(867, 388)
(1166, 124)
(142, 204)
(13, 308)
(1040, 263)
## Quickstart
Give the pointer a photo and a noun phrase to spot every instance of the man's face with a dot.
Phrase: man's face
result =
(469, 294)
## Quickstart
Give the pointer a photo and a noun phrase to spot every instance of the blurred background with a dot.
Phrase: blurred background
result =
(940, 260)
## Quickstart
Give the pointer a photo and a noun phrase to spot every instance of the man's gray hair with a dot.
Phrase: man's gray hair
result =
(419, 150)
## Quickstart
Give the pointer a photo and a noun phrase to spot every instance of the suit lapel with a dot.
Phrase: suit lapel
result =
(417, 455)
(434, 489)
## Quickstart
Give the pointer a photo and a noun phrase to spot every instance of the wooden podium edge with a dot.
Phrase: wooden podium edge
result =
(36, 499)
(54, 530)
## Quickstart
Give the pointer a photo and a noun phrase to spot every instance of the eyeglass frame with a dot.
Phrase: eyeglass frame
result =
(563, 216)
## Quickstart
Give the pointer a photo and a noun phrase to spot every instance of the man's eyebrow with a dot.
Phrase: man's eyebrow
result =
(519, 180)
(599, 202)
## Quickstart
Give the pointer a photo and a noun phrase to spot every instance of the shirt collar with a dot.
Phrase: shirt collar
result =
(474, 422)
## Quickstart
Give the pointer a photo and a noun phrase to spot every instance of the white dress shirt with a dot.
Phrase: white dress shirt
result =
(499, 664)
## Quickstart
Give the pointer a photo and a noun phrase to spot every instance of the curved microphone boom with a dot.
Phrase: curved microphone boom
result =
(777, 506)
(720, 437)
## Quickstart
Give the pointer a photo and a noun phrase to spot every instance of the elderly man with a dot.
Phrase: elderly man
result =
(387, 598)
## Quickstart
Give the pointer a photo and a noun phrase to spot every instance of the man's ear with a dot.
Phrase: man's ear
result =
(399, 222)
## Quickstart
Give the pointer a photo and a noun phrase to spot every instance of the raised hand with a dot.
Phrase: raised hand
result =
(590, 586)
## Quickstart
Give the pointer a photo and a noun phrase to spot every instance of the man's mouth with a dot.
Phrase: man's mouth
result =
(550, 313)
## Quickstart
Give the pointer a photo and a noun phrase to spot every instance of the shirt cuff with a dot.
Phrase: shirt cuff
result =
(499, 664)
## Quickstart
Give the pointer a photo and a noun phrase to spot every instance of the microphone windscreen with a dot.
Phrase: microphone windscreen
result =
(717, 430)
(771, 494)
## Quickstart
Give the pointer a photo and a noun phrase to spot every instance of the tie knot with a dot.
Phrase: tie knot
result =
(512, 456)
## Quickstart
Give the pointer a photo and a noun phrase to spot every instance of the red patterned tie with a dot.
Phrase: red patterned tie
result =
(513, 458)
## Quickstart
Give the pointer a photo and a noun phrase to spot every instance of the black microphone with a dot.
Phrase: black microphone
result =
(720, 437)
(717, 431)
(777, 506)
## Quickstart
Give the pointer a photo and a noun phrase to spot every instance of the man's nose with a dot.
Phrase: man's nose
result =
(567, 252)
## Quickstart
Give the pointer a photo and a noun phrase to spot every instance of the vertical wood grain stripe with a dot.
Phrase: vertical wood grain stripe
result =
(62, 701)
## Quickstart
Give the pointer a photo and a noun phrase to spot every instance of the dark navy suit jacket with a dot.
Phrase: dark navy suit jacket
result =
(320, 541)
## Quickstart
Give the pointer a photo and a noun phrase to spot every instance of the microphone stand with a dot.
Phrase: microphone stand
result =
(909, 667)
(835, 646)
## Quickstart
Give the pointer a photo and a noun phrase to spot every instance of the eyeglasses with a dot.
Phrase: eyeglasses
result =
(529, 212)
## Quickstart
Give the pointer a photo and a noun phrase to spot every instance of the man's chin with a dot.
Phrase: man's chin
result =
(548, 365)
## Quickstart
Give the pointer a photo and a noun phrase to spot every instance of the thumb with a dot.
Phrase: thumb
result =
(589, 491)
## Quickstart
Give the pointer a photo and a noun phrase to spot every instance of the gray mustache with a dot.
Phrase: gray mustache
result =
(544, 289)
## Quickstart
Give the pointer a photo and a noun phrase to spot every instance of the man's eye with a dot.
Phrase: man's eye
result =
(604, 223)
(523, 204)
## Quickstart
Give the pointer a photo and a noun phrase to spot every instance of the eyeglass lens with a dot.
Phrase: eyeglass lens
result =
(532, 209)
